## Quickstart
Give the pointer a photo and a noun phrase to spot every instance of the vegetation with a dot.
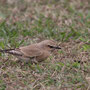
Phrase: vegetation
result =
(24, 22)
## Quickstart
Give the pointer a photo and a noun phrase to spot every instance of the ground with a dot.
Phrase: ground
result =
(23, 22)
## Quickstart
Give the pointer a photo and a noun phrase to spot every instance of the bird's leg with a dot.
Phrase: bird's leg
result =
(34, 60)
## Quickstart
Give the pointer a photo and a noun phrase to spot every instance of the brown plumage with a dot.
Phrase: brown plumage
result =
(35, 52)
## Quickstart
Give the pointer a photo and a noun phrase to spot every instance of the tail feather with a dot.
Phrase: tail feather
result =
(11, 51)
(6, 50)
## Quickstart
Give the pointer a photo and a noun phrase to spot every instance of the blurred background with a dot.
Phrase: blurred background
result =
(57, 19)
(24, 22)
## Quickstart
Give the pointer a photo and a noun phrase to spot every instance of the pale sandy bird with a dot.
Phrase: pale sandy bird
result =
(35, 52)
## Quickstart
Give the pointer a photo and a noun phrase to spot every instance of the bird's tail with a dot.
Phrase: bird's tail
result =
(6, 50)
(11, 51)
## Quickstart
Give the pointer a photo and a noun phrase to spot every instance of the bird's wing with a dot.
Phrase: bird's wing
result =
(31, 51)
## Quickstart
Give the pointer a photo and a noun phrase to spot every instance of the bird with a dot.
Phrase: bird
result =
(35, 52)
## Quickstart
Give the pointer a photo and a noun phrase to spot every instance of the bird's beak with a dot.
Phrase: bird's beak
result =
(57, 47)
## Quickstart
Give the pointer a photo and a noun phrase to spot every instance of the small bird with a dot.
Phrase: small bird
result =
(34, 52)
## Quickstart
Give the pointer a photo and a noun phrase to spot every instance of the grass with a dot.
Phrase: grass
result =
(28, 22)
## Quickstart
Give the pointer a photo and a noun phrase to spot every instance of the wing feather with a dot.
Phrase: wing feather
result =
(31, 51)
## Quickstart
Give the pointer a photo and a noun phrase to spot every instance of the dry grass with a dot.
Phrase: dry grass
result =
(25, 22)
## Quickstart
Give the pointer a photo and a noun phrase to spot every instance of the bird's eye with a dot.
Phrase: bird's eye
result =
(50, 46)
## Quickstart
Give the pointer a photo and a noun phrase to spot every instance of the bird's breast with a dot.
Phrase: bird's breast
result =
(43, 56)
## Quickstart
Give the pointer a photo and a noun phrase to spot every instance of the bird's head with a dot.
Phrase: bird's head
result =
(49, 45)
